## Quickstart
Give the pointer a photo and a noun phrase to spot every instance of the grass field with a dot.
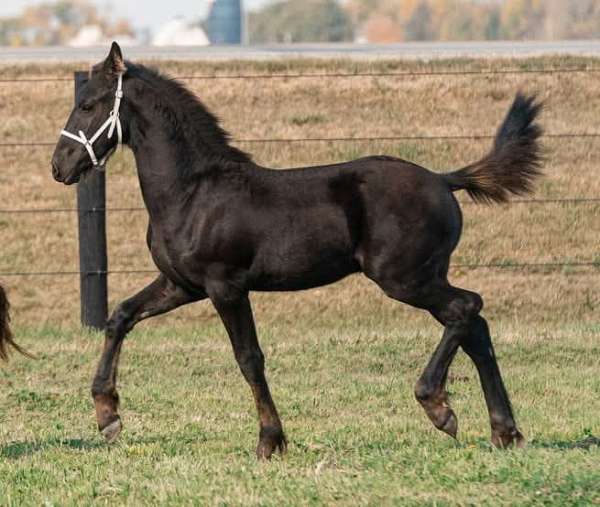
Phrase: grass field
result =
(342, 360)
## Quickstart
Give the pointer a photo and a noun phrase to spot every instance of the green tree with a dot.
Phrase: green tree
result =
(418, 26)
(523, 19)
(306, 21)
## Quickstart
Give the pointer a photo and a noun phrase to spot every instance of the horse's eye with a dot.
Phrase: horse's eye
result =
(86, 107)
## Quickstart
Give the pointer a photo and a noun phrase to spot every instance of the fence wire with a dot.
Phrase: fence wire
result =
(23, 211)
(343, 75)
(465, 266)
(462, 137)
(563, 264)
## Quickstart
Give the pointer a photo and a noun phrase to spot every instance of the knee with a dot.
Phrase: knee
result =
(120, 322)
(463, 310)
(470, 306)
(474, 304)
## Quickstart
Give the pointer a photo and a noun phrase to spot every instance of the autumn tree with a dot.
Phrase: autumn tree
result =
(51, 23)
(398, 20)
(306, 21)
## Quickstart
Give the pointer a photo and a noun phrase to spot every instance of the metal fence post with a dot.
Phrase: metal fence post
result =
(93, 258)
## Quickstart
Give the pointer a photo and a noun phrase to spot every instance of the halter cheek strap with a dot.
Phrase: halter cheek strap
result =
(113, 122)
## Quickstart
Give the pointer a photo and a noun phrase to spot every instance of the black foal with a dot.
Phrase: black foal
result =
(222, 226)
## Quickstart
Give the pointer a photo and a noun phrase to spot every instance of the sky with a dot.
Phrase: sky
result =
(150, 13)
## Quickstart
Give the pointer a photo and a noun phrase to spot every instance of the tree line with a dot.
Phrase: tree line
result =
(380, 21)
(377, 21)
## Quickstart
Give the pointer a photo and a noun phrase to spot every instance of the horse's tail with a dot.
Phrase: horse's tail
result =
(6, 338)
(514, 161)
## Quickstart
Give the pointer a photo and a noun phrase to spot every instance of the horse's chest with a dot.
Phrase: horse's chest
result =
(173, 259)
(190, 258)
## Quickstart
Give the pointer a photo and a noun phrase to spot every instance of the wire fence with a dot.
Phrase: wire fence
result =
(579, 201)
(462, 137)
(465, 266)
(343, 75)
(44, 211)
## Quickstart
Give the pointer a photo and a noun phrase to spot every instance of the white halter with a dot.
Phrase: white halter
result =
(111, 123)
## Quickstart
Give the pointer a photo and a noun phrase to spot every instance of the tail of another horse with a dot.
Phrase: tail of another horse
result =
(514, 161)
(6, 338)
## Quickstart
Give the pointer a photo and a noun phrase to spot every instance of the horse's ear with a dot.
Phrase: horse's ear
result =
(114, 63)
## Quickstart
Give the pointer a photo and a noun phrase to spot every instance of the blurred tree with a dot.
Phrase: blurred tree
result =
(493, 26)
(56, 22)
(382, 29)
(523, 19)
(51, 23)
(360, 10)
(120, 27)
(582, 19)
(306, 21)
(10, 32)
(418, 25)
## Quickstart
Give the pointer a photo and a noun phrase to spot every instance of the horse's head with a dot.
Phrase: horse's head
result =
(93, 129)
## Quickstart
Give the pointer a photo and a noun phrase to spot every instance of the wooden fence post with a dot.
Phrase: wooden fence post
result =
(93, 259)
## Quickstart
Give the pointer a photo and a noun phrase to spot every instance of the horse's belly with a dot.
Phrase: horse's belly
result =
(301, 268)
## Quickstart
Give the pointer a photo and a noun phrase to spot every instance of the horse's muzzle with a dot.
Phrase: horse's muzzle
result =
(73, 177)
(56, 172)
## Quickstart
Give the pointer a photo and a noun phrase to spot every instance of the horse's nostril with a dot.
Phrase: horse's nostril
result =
(55, 171)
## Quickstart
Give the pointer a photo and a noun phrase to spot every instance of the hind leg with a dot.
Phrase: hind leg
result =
(477, 343)
(458, 310)
(430, 390)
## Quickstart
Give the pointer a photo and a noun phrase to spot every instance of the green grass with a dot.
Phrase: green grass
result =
(344, 389)
(342, 361)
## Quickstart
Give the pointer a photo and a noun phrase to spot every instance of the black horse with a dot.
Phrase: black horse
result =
(222, 226)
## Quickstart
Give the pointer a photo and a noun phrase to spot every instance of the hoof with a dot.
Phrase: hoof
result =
(450, 427)
(112, 431)
(435, 404)
(508, 439)
(270, 440)
(441, 415)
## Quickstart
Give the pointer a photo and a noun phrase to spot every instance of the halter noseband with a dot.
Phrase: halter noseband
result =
(111, 123)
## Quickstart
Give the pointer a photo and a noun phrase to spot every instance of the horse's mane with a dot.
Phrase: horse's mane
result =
(193, 125)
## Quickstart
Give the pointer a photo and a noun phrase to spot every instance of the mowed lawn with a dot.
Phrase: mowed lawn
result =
(342, 360)
(344, 390)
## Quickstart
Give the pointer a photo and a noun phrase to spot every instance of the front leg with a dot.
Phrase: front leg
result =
(237, 317)
(159, 297)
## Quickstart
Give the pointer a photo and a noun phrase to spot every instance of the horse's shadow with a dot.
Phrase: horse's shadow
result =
(584, 443)
(15, 450)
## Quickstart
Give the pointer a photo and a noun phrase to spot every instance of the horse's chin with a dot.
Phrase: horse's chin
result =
(76, 177)
(73, 178)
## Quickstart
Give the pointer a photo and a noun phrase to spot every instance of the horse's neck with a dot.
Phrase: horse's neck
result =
(164, 186)
(165, 190)
(161, 188)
